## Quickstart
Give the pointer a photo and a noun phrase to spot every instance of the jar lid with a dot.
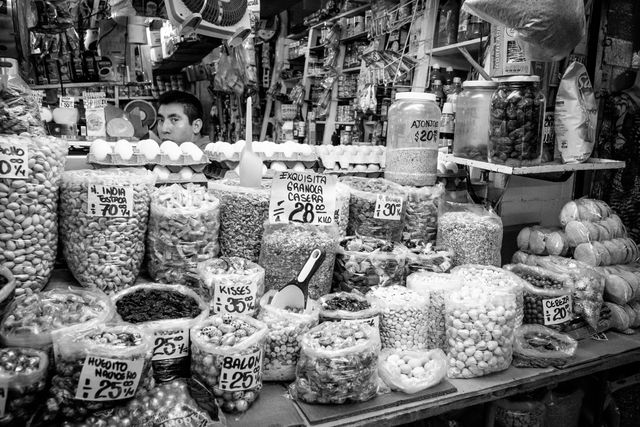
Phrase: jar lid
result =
(420, 96)
(519, 79)
(479, 83)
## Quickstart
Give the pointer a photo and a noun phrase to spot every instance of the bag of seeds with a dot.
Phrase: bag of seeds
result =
(543, 241)
(404, 317)
(428, 257)
(435, 286)
(343, 196)
(411, 371)
(286, 327)
(348, 308)
(7, 289)
(24, 372)
(421, 219)
(377, 208)
(227, 354)
(286, 248)
(231, 285)
(365, 262)
(29, 211)
(472, 232)
(536, 346)
(338, 364)
(99, 367)
(243, 212)
(103, 223)
(480, 329)
(183, 230)
(167, 312)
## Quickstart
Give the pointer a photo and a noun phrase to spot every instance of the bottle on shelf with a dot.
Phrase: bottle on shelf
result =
(300, 126)
(436, 74)
(436, 89)
(455, 88)
(448, 80)
(447, 128)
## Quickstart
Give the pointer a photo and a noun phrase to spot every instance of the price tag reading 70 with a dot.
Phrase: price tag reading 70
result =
(110, 200)
(14, 160)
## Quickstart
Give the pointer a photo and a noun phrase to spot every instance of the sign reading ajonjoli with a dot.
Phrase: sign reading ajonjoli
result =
(302, 197)
(110, 200)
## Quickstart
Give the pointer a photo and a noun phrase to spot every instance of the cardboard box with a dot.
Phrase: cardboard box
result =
(507, 57)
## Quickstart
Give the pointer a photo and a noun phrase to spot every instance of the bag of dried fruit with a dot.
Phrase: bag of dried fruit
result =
(421, 219)
(348, 307)
(286, 327)
(412, 371)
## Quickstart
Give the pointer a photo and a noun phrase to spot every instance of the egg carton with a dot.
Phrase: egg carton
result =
(276, 157)
(344, 172)
(175, 178)
(139, 159)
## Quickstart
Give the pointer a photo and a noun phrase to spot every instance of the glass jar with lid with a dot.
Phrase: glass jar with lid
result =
(412, 139)
(471, 137)
(517, 116)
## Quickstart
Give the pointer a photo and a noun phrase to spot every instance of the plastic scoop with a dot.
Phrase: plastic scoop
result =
(250, 167)
(296, 292)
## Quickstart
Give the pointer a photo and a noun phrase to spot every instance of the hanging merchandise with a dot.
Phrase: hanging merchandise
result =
(447, 27)
(230, 74)
(18, 110)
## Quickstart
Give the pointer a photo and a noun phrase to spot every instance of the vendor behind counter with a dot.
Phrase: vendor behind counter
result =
(180, 119)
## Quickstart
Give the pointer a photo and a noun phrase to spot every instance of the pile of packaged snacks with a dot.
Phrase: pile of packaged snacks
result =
(404, 317)
(286, 248)
(167, 312)
(348, 308)
(85, 358)
(183, 230)
(428, 257)
(421, 218)
(24, 371)
(584, 210)
(622, 283)
(412, 371)
(609, 252)
(231, 285)
(103, 239)
(597, 231)
(536, 346)
(338, 364)
(542, 241)
(226, 354)
(286, 327)
(365, 262)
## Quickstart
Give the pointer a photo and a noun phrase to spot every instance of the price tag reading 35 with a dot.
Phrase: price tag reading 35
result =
(388, 207)
(557, 310)
(171, 344)
(302, 197)
(241, 372)
(103, 379)
(14, 160)
(235, 298)
(110, 200)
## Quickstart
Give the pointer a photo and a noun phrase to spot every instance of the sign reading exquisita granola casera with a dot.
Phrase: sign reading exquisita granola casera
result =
(303, 197)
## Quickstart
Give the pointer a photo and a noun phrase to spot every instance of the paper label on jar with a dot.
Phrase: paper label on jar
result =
(388, 207)
(556, 310)
(14, 160)
(104, 379)
(171, 344)
(237, 298)
(371, 321)
(110, 200)
(302, 197)
(241, 372)
(424, 132)
(4, 390)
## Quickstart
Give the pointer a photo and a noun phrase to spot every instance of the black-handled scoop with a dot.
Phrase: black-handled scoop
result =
(296, 292)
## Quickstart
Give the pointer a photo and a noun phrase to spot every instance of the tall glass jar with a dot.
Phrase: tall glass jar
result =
(412, 139)
(471, 137)
(517, 116)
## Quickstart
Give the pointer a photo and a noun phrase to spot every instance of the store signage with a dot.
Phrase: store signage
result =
(302, 197)
(556, 310)
(93, 100)
(234, 298)
(241, 372)
(388, 207)
(67, 102)
(110, 200)
(105, 379)
(171, 344)
(14, 160)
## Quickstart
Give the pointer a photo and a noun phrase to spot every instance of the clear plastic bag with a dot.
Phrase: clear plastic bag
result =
(229, 361)
(105, 251)
(412, 371)
(169, 319)
(517, 412)
(621, 285)
(542, 241)
(365, 262)
(19, 111)
(286, 248)
(619, 320)
(472, 232)
(428, 257)
(338, 364)
(343, 196)
(421, 218)
(584, 209)
(243, 212)
(536, 346)
(286, 327)
(7, 290)
(404, 317)
(25, 383)
(578, 232)
(635, 306)
(616, 251)
(183, 230)
(348, 307)
(31, 212)
(480, 330)
(231, 285)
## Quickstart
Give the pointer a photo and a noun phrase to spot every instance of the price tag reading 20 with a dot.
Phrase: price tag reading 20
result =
(388, 207)
(557, 310)
(110, 200)
(14, 160)
(241, 372)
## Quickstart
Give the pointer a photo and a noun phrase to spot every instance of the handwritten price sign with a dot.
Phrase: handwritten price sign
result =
(556, 310)
(14, 160)
(110, 200)
(104, 379)
(236, 298)
(302, 197)
(171, 344)
(67, 102)
(241, 372)
(388, 207)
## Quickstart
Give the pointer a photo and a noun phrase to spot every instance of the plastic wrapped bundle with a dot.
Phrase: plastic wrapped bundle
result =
(286, 248)
(536, 346)
(622, 283)
(183, 230)
(605, 229)
(286, 327)
(29, 211)
(24, 371)
(421, 220)
(584, 209)
(428, 257)
(348, 308)
(168, 312)
(338, 364)
(609, 252)
(19, 111)
(412, 371)
(542, 241)
(103, 223)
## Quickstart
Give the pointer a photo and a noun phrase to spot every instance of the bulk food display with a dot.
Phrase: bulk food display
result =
(412, 371)
(24, 371)
(421, 217)
(348, 308)
(7, 290)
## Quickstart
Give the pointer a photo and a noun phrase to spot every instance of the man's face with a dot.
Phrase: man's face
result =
(173, 124)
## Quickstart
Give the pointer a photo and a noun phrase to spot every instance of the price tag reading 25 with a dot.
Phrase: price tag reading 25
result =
(388, 207)
(241, 372)
(110, 200)
(171, 344)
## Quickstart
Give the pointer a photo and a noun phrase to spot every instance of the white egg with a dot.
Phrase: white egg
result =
(289, 149)
(264, 169)
(161, 172)
(360, 168)
(186, 173)
(124, 149)
(278, 166)
(451, 166)
(226, 150)
(299, 167)
(210, 148)
(187, 147)
(372, 167)
(100, 149)
(306, 149)
(239, 146)
(268, 148)
(171, 150)
(149, 148)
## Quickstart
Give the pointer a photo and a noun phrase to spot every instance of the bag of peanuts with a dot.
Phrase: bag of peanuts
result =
(103, 223)
(183, 230)
(29, 218)
(286, 326)
(348, 307)
(412, 371)
(543, 241)
(537, 346)
(421, 218)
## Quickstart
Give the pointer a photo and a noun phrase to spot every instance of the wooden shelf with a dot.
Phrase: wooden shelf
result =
(591, 164)
(336, 123)
(452, 49)
(352, 69)
(359, 36)
(347, 14)
(74, 85)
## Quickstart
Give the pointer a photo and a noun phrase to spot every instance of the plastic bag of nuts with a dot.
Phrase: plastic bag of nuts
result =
(436, 286)
(472, 232)
(286, 327)
(365, 262)
(243, 212)
(19, 111)
(428, 257)
(367, 213)
(24, 371)
(87, 359)
(421, 219)
(183, 230)
(226, 354)
(285, 249)
(29, 211)
(412, 371)
(348, 307)
(536, 346)
(232, 285)
(168, 312)
(105, 251)
(404, 317)
(480, 328)
(338, 364)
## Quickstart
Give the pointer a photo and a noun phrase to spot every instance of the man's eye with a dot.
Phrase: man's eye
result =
(175, 120)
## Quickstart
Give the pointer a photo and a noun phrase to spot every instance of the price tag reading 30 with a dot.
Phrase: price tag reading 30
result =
(171, 344)
(388, 207)
(241, 372)
(302, 197)
(14, 160)
(103, 379)
(556, 310)
(110, 200)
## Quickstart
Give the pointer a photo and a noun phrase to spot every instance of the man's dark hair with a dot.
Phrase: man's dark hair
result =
(191, 104)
